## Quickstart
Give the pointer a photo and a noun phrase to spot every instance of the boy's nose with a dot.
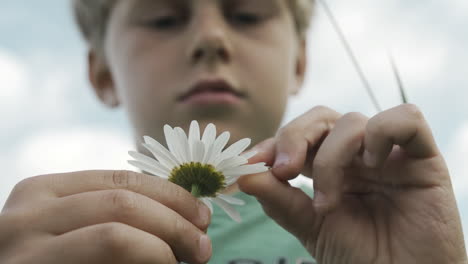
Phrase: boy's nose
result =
(210, 42)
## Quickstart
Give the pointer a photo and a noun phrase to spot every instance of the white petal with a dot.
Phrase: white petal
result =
(231, 199)
(246, 169)
(232, 179)
(145, 167)
(236, 148)
(208, 153)
(194, 136)
(208, 139)
(194, 132)
(167, 152)
(161, 153)
(149, 161)
(218, 146)
(166, 162)
(198, 151)
(228, 209)
(183, 145)
(231, 163)
(233, 150)
(209, 135)
(250, 154)
(171, 141)
(208, 203)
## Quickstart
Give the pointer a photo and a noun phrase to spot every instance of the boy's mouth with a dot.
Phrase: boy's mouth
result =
(211, 91)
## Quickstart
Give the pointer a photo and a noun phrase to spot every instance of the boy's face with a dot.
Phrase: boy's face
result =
(230, 62)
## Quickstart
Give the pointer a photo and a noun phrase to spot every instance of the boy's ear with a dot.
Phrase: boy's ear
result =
(301, 65)
(101, 79)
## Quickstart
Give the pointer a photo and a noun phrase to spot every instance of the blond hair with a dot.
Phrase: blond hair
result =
(92, 17)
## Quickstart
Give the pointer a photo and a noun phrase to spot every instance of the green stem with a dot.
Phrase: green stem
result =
(196, 191)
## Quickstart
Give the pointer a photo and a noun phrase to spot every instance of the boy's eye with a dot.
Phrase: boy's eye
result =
(165, 22)
(245, 18)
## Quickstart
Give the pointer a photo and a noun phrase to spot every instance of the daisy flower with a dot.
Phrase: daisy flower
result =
(200, 164)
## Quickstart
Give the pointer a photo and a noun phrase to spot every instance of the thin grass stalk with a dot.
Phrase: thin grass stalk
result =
(398, 79)
(351, 54)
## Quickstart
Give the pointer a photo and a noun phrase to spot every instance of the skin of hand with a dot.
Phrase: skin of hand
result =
(102, 217)
(382, 189)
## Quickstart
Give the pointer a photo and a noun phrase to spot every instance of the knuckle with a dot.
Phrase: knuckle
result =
(320, 164)
(285, 131)
(180, 228)
(10, 227)
(123, 202)
(354, 118)
(24, 185)
(167, 254)
(319, 108)
(123, 179)
(112, 237)
(20, 195)
(178, 194)
(412, 111)
(376, 126)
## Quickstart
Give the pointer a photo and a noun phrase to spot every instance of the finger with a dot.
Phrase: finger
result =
(404, 126)
(105, 243)
(126, 207)
(163, 191)
(298, 137)
(335, 154)
(265, 152)
(290, 207)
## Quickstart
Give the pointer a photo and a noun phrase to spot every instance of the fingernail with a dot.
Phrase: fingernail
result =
(369, 159)
(258, 148)
(319, 199)
(281, 160)
(205, 247)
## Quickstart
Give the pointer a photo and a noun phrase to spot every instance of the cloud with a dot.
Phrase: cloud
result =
(371, 30)
(64, 150)
(13, 81)
(73, 149)
(457, 159)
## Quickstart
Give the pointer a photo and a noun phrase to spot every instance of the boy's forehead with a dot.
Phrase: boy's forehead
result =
(145, 3)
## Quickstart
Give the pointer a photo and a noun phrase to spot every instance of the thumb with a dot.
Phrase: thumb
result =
(289, 206)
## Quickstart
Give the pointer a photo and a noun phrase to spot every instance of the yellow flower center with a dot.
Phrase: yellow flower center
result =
(202, 180)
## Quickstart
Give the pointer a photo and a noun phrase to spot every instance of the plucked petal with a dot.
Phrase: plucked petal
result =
(232, 179)
(149, 161)
(228, 209)
(247, 169)
(231, 162)
(250, 154)
(148, 168)
(231, 200)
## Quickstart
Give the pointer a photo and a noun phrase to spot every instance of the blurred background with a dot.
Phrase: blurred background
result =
(51, 122)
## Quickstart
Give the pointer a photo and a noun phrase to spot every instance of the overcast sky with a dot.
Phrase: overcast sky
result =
(51, 122)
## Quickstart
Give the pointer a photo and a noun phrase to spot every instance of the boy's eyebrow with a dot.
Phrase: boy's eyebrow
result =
(142, 5)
